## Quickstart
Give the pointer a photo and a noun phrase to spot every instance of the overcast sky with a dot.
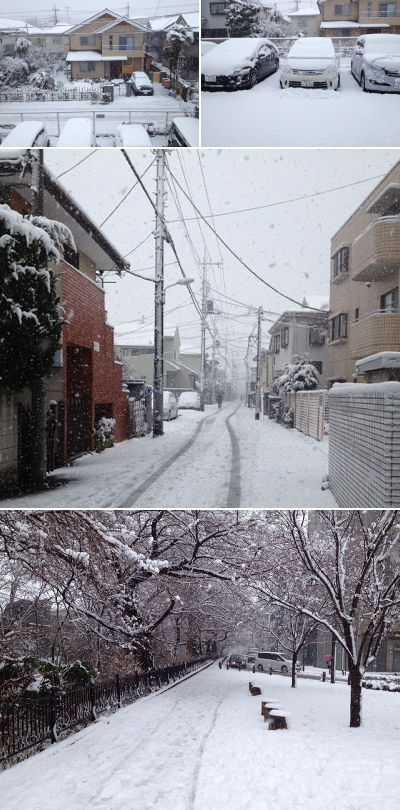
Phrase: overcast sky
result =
(76, 11)
(284, 240)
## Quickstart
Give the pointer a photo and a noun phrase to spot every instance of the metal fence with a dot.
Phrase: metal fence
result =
(157, 121)
(29, 723)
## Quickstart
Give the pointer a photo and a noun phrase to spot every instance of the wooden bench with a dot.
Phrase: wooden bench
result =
(278, 719)
(267, 706)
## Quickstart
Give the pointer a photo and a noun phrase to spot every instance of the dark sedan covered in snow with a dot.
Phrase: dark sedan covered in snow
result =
(238, 63)
(376, 62)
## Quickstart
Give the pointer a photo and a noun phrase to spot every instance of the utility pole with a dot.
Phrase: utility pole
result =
(204, 311)
(333, 658)
(38, 390)
(258, 374)
(55, 15)
(158, 427)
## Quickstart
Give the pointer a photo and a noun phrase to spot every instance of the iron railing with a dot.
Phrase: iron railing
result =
(29, 723)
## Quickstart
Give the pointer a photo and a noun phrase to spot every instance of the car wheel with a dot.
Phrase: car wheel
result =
(338, 84)
(281, 85)
(260, 667)
(284, 669)
(362, 83)
(169, 416)
(253, 78)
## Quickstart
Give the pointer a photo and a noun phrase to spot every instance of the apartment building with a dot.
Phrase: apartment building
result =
(106, 46)
(300, 333)
(364, 316)
(358, 17)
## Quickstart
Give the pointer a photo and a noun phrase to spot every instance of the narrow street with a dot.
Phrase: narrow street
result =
(203, 744)
(214, 459)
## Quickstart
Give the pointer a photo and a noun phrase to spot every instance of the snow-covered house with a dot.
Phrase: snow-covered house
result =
(364, 287)
(299, 333)
(358, 17)
(12, 30)
(106, 46)
(86, 380)
(306, 21)
(136, 351)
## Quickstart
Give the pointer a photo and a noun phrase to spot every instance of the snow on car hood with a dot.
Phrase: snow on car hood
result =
(388, 60)
(223, 64)
(309, 63)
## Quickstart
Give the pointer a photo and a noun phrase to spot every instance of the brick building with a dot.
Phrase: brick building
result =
(86, 380)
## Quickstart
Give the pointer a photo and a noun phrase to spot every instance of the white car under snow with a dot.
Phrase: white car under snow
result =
(376, 62)
(311, 62)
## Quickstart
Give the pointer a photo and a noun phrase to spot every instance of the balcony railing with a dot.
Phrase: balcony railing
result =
(377, 332)
(376, 252)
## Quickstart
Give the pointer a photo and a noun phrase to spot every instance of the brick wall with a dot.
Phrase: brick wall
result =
(364, 444)
(83, 302)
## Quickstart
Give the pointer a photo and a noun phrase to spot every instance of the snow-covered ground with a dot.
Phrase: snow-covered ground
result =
(157, 110)
(219, 458)
(203, 744)
(269, 116)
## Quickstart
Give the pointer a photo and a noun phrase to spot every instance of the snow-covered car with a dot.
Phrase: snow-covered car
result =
(189, 400)
(311, 62)
(27, 133)
(170, 406)
(238, 63)
(132, 135)
(278, 662)
(141, 84)
(184, 131)
(77, 132)
(375, 63)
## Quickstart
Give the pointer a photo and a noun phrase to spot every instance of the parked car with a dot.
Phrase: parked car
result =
(27, 133)
(238, 63)
(278, 662)
(77, 132)
(375, 63)
(132, 135)
(170, 406)
(141, 84)
(184, 132)
(189, 400)
(311, 62)
(237, 661)
(251, 656)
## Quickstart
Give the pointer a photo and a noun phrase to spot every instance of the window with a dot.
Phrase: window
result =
(369, 10)
(356, 313)
(340, 263)
(387, 10)
(110, 42)
(126, 43)
(390, 301)
(277, 343)
(57, 39)
(342, 11)
(302, 21)
(71, 256)
(316, 335)
(218, 8)
(317, 365)
(338, 327)
(88, 40)
(285, 337)
(87, 67)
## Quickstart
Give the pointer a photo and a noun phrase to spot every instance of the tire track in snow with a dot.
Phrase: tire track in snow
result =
(193, 790)
(139, 491)
(234, 484)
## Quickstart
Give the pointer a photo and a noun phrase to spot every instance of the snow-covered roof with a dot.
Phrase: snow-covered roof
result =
(161, 23)
(92, 56)
(140, 335)
(351, 24)
(366, 389)
(60, 28)
(378, 361)
(20, 25)
(304, 12)
(106, 11)
(120, 20)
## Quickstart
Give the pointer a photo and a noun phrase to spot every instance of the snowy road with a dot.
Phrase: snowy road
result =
(269, 116)
(203, 744)
(214, 459)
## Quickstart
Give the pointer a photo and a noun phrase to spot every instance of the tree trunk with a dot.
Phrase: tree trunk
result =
(355, 696)
(38, 465)
(294, 662)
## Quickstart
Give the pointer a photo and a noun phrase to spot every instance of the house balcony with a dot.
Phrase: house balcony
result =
(376, 332)
(116, 51)
(376, 252)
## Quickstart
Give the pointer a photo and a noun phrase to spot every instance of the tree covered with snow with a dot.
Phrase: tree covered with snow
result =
(178, 38)
(22, 47)
(28, 62)
(242, 20)
(43, 79)
(30, 325)
(13, 71)
(300, 375)
(275, 26)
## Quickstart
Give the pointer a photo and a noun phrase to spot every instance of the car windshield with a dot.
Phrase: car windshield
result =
(391, 45)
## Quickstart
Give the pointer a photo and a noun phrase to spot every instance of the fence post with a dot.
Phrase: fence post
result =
(58, 124)
(94, 122)
(92, 701)
(53, 714)
(118, 689)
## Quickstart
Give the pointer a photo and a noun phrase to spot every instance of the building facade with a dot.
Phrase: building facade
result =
(298, 333)
(358, 17)
(106, 46)
(364, 316)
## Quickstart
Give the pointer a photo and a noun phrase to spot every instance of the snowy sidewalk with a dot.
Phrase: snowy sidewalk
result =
(204, 744)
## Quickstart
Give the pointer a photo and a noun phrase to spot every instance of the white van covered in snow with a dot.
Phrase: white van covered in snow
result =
(77, 132)
(27, 133)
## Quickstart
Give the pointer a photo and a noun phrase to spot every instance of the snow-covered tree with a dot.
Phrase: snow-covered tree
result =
(42, 79)
(242, 20)
(13, 71)
(30, 325)
(22, 47)
(300, 375)
(178, 38)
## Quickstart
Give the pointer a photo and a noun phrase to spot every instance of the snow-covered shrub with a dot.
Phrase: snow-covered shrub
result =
(288, 417)
(242, 20)
(22, 46)
(42, 79)
(103, 433)
(297, 376)
(13, 71)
